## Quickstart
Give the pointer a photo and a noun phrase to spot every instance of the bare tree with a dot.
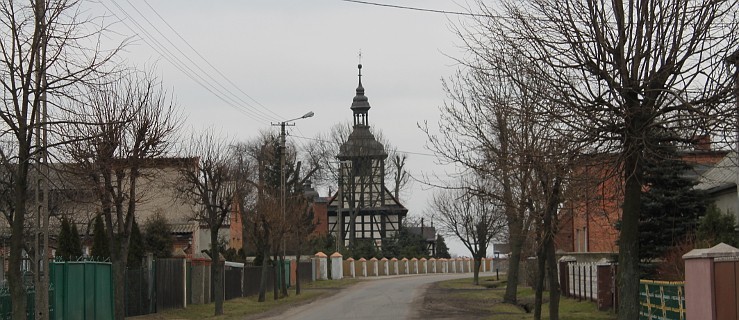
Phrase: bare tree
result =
(211, 186)
(624, 71)
(41, 55)
(259, 218)
(117, 131)
(483, 133)
(264, 221)
(471, 217)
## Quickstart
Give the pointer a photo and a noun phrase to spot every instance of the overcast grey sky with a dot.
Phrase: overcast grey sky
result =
(277, 60)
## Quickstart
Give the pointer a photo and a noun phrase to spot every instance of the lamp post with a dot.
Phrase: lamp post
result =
(282, 125)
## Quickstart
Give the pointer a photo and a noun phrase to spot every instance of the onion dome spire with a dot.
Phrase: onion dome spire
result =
(360, 104)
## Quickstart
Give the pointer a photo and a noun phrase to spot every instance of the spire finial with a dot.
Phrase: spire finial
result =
(359, 66)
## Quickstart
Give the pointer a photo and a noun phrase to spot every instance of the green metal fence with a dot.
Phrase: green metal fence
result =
(84, 290)
(6, 303)
(664, 300)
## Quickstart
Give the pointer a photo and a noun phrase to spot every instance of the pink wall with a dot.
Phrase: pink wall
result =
(699, 299)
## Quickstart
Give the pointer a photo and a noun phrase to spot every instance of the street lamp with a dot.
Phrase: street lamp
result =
(282, 125)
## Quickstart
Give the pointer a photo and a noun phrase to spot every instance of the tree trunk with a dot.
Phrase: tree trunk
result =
(217, 272)
(516, 240)
(476, 272)
(275, 275)
(15, 276)
(553, 281)
(628, 257)
(119, 294)
(540, 275)
(283, 274)
(265, 273)
(119, 259)
(297, 273)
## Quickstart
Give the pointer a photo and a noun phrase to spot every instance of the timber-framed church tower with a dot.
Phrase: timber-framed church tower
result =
(363, 209)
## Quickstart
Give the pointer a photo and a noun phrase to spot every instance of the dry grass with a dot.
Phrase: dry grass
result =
(241, 308)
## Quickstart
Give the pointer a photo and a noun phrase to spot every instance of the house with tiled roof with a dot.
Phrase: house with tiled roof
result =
(720, 183)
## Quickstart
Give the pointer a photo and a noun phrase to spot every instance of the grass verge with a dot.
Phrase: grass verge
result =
(241, 308)
(491, 291)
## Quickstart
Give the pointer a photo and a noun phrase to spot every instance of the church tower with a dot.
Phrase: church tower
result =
(363, 209)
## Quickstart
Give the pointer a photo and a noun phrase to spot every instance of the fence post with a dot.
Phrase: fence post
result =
(337, 268)
(363, 266)
(605, 285)
(349, 266)
(384, 267)
(394, 266)
(705, 284)
(373, 267)
(322, 266)
(564, 279)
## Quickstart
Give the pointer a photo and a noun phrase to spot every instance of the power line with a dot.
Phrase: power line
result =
(211, 65)
(420, 9)
(152, 42)
(478, 15)
(220, 88)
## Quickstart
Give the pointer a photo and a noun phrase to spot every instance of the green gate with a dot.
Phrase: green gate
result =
(84, 290)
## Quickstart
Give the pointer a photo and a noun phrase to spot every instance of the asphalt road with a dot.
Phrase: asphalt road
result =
(384, 298)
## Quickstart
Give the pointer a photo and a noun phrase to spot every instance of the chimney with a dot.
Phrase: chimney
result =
(702, 143)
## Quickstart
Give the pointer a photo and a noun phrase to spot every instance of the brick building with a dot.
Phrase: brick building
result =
(587, 223)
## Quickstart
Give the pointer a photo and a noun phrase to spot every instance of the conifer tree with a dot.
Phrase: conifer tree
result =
(100, 248)
(158, 236)
(75, 245)
(442, 251)
(63, 242)
(671, 206)
(136, 250)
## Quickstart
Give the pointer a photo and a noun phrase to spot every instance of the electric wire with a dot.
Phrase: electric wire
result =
(152, 42)
(425, 9)
(477, 15)
(211, 65)
(234, 97)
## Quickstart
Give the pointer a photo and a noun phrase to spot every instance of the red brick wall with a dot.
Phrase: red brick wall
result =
(235, 232)
(588, 221)
(320, 217)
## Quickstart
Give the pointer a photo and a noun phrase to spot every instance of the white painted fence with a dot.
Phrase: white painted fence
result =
(583, 280)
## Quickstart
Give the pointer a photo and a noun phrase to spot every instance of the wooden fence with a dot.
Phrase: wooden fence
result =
(170, 283)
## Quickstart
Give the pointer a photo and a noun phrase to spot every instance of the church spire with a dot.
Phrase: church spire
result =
(360, 105)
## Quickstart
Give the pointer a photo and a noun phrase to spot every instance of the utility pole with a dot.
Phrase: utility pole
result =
(282, 125)
(41, 258)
